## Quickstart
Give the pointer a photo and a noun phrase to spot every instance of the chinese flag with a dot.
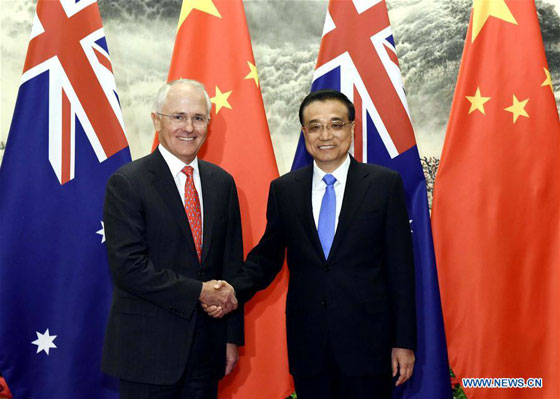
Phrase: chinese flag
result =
(496, 211)
(4, 390)
(213, 46)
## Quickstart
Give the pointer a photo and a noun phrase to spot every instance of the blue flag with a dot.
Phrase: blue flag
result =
(358, 57)
(66, 138)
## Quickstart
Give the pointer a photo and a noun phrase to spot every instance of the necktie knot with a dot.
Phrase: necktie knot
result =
(329, 179)
(188, 170)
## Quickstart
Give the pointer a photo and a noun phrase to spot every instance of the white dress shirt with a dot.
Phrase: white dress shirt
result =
(176, 166)
(318, 188)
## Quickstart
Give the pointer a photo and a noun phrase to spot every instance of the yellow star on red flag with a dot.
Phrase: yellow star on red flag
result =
(484, 9)
(221, 99)
(253, 73)
(518, 108)
(206, 6)
(548, 80)
(479, 186)
(477, 102)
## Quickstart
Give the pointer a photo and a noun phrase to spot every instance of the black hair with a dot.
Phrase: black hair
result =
(325, 95)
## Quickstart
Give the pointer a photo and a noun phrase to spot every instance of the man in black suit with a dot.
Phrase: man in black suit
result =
(350, 310)
(172, 224)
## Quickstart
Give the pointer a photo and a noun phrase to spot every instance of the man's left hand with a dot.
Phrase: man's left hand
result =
(232, 356)
(402, 361)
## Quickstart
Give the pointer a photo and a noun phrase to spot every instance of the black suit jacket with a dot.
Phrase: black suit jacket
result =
(156, 272)
(361, 298)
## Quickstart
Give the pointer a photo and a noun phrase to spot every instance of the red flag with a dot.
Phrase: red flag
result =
(4, 390)
(213, 46)
(496, 212)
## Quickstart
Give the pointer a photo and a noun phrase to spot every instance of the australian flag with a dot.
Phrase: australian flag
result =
(66, 138)
(358, 57)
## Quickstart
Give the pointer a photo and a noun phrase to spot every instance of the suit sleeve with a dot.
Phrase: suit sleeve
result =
(234, 260)
(399, 263)
(266, 259)
(132, 269)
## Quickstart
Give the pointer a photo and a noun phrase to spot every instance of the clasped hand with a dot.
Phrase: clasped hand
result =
(217, 298)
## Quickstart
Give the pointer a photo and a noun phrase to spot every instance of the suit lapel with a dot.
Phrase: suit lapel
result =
(354, 194)
(304, 187)
(210, 199)
(167, 189)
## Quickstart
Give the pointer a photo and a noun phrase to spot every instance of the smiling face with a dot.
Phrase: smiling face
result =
(182, 139)
(329, 146)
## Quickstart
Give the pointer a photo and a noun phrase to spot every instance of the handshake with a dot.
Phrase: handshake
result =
(217, 298)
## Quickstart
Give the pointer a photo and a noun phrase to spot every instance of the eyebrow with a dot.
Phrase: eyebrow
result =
(330, 120)
(186, 113)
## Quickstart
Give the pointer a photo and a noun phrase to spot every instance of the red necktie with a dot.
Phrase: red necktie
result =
(192, 208)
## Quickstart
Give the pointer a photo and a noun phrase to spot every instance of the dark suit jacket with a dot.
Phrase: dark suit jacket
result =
(361, 298)
(156, 271)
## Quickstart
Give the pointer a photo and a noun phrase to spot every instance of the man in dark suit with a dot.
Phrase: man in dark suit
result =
(172, 225)
(350, 310)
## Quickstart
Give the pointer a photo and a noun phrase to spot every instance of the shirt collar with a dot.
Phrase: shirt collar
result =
(175, 164)
(340, 173)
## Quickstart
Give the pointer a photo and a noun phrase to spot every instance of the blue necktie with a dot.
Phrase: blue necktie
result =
(327, 215)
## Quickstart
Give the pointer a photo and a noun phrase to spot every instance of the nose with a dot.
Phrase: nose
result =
(325, 134)
(188, 124)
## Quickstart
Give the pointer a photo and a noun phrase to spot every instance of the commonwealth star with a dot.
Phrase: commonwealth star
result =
(44, 341)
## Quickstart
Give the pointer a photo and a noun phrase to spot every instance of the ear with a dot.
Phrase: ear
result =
(156, 121)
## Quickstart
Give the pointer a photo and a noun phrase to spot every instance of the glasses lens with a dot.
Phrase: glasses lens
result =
(177, 119)
(315, 128)
(199, 121)
(337, 125)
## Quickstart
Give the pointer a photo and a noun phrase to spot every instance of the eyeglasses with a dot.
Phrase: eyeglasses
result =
(198, 121)
(316, 128)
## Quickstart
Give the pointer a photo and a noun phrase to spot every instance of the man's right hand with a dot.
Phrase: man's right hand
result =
(218, 296)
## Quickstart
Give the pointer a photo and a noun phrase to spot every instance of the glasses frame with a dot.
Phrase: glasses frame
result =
(174, 119)
(328, 126)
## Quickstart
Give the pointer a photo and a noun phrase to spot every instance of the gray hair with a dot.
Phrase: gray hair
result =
(162, 93)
